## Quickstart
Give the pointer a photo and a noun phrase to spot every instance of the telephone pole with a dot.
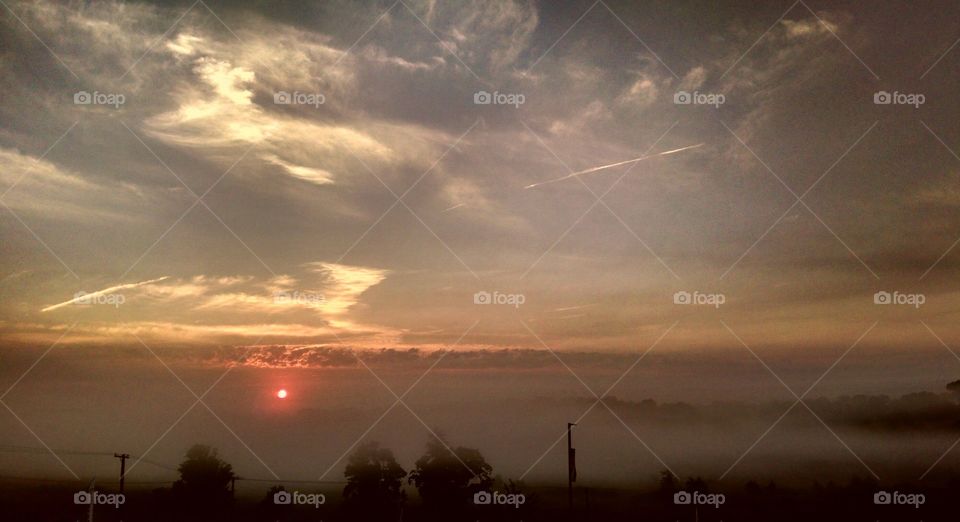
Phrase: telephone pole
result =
(123, 466)
(91, 490)
(571, 465)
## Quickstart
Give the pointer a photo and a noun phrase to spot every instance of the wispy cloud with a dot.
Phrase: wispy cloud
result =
(318, 301)
(105, 291)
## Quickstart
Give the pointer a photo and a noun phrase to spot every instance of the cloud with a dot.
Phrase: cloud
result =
(216, 109)
(643, 92)
(464, 357)
(329, 290)
(319, 301)
(164, 333)
(317, 176)
(52, 191)
(395, 103)
(106, 291)
(379, 55)
(343, 286)
(694, 78)
(943, 193)
(809, 27)
(495, 32)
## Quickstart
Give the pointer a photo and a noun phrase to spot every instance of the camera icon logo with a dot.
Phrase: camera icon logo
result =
(881, 298)
(882, 98)
(681, 298)
(482, 297)
(81, 298)
(82, 98)
(482, 498)
(282, 98)
(682, 497)
(82, 498)
(282, 498)
(882, 498)
(682, 98)
(482, 98)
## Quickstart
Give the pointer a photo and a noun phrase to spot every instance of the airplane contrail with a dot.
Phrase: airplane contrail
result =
(102, 292)
(617, 164)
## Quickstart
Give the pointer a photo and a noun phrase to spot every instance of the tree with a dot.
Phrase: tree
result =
(447, 478)
(268, 508)
(204, 485)
(374, 481)
(954, 387)
(269, 499)
(668, 484)
(695, 484)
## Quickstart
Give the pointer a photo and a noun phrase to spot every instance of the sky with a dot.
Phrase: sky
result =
(278, 188)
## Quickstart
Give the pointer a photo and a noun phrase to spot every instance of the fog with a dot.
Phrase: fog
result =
(741, 425)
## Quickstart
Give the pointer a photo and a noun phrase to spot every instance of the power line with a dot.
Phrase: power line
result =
(35, 479)
(75, 481)
(143, 482)
(10, 448)
(157, 464)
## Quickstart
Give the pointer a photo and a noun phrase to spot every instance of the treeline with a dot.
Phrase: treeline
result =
(451, 482)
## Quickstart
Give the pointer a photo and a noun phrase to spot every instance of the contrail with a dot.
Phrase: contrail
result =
(594, 169)
(102, 292)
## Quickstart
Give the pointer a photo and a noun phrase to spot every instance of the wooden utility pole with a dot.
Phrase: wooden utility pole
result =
(571, 465)
(123, 467)
(92, 490)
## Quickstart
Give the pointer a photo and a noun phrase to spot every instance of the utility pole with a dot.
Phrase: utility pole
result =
(123, 467)
(91, 489)
(571, 465)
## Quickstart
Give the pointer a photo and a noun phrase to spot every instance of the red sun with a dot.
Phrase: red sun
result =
(281, 394)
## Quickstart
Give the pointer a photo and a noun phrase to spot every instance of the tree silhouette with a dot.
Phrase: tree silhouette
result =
(374, 481)
(204, 485)
(447, 478)
(667, 485)
(695, 484)
(270, 493)
(954, 387)
(268, 508)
